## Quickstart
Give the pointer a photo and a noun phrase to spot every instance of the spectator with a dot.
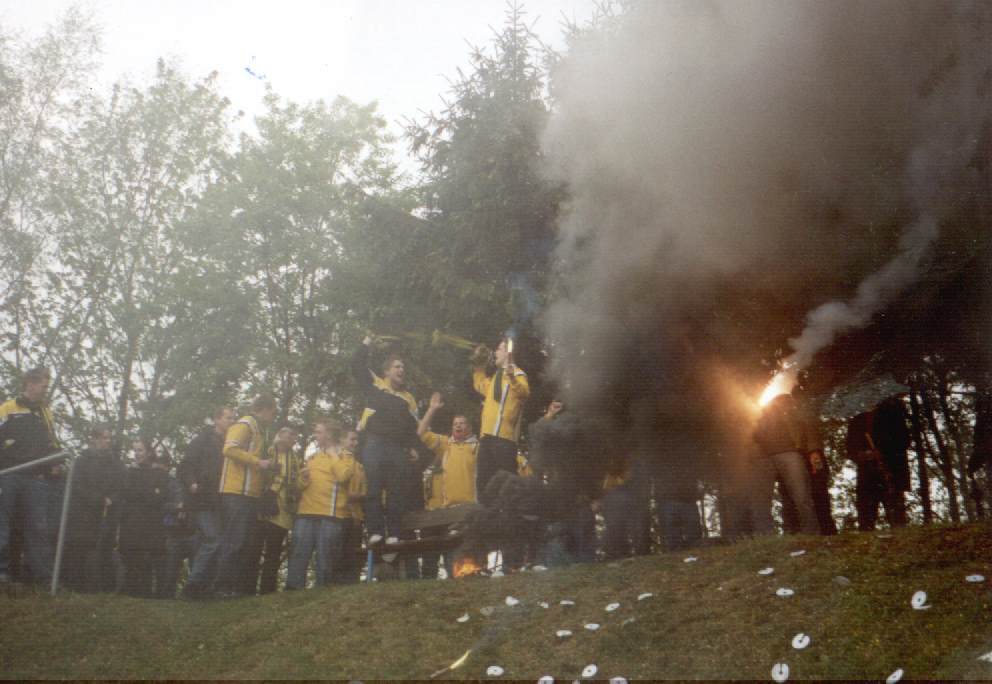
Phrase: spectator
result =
(504, 394)
(200, 477)
(180, 536)
(352, 558)
(390, 425)
(271, 531)
(323, 509)
(877, 442)
(98, 478)
(452, 476)
(785, 436)
(246, 461)
(617, 506)
(142, 531)
(27, 433)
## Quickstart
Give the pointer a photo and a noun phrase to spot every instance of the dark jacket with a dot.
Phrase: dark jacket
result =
(98, 475)
(981, 454)
(890, 437)
(27, 433)
(145, 492)
(177, 522)
(784, 426)
(390, 417)
(202, 465)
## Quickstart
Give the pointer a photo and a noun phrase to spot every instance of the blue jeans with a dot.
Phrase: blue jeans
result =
(326, 536)
(239, 515)
(387, 468)
(32, 497)
(203, 568)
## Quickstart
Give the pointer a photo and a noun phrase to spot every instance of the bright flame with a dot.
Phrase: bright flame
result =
(509, 345)
(782, 383)
(465, 567)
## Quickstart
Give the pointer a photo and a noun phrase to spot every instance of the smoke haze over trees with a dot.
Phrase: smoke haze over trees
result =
(656, 210)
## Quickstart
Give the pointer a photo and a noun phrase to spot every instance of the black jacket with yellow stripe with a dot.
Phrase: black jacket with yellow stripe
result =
(27, 432)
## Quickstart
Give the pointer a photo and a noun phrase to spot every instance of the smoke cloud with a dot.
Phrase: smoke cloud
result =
(733, 166)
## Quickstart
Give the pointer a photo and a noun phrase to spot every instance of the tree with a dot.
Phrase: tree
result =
(284, 228)
(491, 213)
(114, 306)
(42, 90)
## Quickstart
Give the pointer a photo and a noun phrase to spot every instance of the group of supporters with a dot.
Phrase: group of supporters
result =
(243, 498)
(228, 508)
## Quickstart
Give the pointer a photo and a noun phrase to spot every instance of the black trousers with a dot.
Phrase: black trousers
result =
(873, 489)
(143, 571)
(269, 542)
(495, 454)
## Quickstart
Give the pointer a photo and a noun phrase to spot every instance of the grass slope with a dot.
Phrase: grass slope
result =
(715, 618)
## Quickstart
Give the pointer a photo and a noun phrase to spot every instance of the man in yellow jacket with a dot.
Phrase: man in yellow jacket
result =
(504, 394)
(324, 508)
(453, 476)
(246, 459)
(27, 433)
(456, 455)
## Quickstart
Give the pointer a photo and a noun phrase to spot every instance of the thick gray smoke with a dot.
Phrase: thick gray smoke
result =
(733, 165)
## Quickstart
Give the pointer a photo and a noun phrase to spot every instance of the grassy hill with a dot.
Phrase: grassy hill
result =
(715, 618)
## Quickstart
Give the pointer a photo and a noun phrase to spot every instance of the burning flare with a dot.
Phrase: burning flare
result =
(782, 383)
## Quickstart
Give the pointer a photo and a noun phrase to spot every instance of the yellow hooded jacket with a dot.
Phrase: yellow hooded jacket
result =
(503, 401)
(456, 484)
(324, 489)
(244, 447)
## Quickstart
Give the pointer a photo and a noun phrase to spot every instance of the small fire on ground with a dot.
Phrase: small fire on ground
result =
(465, 567)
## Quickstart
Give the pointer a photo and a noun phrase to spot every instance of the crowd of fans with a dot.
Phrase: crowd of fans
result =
(248, 498)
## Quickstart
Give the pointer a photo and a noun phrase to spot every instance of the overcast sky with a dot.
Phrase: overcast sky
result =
(397, 52)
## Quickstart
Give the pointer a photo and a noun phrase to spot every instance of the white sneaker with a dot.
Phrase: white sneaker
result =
(375, 539)
(392, 540)
(389, 557)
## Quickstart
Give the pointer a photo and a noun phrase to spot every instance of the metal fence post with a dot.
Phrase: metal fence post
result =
(60, 544)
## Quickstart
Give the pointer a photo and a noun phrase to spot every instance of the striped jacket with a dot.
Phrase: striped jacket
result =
(244, 446)
(324, 485)
(503, 402)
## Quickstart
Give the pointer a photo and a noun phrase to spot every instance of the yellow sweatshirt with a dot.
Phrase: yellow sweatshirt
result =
(243, 448)
(456, 483)
(324, 485)
(503, 402)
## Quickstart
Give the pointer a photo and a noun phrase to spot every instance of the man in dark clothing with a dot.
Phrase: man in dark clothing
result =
(819, 482)
(877, 442)
(98, 478)
(786, 437)
(142, 535)
(199, 474)
(27, 433)
(389, 423)
(180, 540)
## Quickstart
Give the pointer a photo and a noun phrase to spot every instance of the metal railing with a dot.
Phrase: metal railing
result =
(60, 544)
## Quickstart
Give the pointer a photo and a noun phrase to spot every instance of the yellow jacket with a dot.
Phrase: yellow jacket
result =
(456, 482)
(503, 404)
(244, 445)
(284, 485)
(358, 489)
(324, 490)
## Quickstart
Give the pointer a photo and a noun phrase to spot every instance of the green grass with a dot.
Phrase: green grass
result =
(712, 619)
